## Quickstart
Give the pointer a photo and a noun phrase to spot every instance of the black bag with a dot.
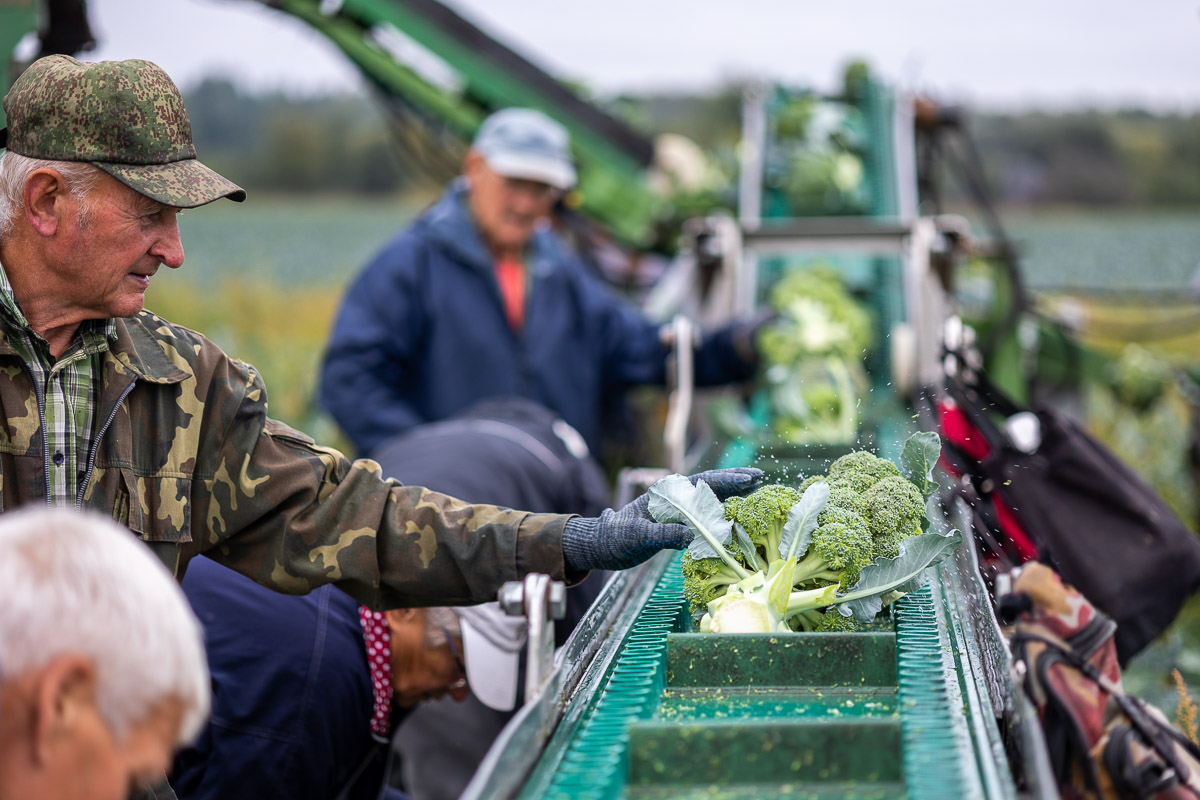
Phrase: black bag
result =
(1092, 518)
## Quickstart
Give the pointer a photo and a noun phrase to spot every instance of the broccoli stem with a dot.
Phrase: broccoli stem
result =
(811, 599)
(722, 553)
(808, 620)
(814, 567)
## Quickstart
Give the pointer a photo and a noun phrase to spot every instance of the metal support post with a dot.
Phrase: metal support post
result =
(541, 601)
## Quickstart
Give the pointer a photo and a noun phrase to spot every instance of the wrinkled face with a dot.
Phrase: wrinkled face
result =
(108, 248)
(506, 210)
(420, 672)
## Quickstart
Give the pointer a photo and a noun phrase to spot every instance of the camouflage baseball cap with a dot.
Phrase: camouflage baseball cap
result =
(125, 117)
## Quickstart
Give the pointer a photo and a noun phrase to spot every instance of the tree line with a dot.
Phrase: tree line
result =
(357, 143)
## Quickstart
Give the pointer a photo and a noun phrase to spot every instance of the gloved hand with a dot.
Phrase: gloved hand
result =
(744, 332)
(625, 538)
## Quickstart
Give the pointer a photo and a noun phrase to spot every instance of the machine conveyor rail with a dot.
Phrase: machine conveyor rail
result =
(656, 710)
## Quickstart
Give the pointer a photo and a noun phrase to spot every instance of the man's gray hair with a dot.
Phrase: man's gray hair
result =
(78, 583)
(15, 170)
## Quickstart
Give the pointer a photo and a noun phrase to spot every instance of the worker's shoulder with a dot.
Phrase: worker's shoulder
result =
(147, 324)
(187, 349)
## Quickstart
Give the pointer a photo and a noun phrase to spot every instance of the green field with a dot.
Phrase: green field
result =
(296, 242)
(1113, 251)
(264, 278)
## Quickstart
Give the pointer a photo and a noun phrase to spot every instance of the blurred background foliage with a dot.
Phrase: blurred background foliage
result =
(345, 143)
(332, 177)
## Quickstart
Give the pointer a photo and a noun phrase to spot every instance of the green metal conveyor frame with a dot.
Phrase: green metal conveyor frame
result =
(638, 706)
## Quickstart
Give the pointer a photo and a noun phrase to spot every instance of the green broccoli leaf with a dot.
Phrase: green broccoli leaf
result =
(918, 459)
(675, 499)
(802, 521)
(780, 591)
(745, 544)
(864, 599)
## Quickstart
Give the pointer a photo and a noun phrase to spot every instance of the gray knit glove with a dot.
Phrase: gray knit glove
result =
(626, 538)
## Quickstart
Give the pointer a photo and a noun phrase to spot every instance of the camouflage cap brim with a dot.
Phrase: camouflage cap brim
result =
(182, 184)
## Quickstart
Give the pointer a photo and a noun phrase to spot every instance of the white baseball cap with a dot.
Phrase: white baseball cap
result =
(492, 644)
(523, 143)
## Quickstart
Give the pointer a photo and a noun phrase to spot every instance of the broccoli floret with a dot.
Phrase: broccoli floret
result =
(889, 546)
(763, 513)
(705, 579)
(836, 515)
(832, 621)
(843, 498)
(860, 470)
(810, 481)
(732, 506)
(837, 554)
(895, 506)
(817, 316)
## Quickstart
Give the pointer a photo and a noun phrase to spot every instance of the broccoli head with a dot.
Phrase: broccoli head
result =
(763, 513)
(889, 546)
(705, 579)
(843, 498)
(860, 470)
(896, 506)
(818, 315)
(837, 554)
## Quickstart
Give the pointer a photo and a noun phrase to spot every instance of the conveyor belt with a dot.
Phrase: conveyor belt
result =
(662, 712)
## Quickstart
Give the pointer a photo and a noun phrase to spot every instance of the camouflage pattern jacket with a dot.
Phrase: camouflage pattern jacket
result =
(188, 459)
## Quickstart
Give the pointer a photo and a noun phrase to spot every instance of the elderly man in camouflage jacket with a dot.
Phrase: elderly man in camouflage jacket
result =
(106, 406)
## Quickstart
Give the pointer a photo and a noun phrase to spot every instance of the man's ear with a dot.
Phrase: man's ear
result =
(472, 161)
(45, 193)
(65, 693)
(398, 618)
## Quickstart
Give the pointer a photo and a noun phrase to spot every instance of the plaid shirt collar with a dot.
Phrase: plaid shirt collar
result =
(93, 336)
(66, 390)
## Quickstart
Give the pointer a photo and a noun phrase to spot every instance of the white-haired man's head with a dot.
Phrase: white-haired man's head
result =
(102, 668)
(15, 170)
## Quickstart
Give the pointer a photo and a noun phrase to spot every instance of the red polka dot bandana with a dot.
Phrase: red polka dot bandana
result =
(378, 640)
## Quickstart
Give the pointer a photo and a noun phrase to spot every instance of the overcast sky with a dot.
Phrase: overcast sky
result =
(1010, 54)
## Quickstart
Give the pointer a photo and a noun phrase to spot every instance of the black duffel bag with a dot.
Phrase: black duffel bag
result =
(1089, 515)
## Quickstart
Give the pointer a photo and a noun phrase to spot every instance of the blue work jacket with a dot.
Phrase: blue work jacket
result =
(422, 335)
(292, 700)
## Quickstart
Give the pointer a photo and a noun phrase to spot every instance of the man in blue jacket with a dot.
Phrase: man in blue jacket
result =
(308, 689)
(479, 298)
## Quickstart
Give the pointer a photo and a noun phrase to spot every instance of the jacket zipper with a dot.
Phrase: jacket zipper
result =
(41, 401)
(87, 477)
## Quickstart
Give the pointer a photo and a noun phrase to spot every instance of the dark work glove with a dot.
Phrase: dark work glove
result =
(745, 333)
(625, 538)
